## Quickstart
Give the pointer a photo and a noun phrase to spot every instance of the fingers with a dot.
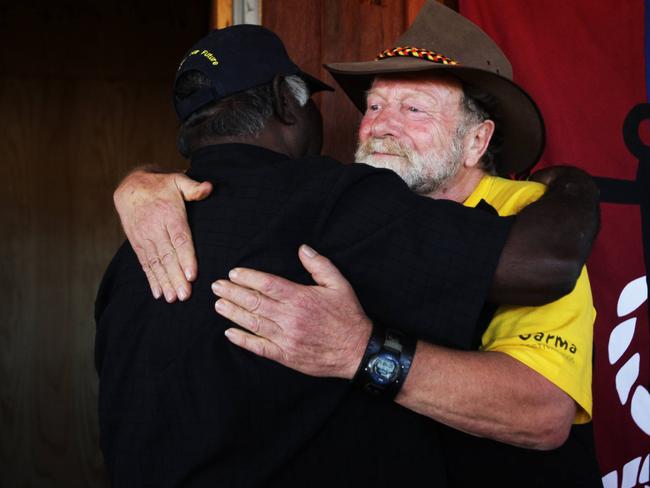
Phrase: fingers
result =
(170, 261)
(156, 289)
(162, 269)
(321, 269)
(272, 286)
(147, 255)
(257, 345)
(178, 257)
(161, 263)
(250, 321)
(250, 300)
(184, 248)
(181, 236)
(156, 262)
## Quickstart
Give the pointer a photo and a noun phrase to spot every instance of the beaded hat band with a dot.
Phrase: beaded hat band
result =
(415, 52)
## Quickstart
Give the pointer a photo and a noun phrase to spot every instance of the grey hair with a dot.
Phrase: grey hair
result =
(478, 107)
(298, 89)
(242, 114)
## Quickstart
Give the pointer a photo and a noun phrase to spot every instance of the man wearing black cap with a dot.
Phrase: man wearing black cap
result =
(180, 405)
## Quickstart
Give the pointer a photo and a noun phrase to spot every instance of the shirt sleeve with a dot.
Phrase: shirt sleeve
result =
(421, 265)
(554, 339)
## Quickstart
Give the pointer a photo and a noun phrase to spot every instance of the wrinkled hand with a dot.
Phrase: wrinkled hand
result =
(318, 330)
(152, 212)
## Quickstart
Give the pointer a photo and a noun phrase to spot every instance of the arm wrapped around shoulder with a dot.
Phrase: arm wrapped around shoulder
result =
(550, 240)
(151, 204)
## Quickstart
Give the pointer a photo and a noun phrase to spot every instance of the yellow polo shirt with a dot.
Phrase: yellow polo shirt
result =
(554, 339)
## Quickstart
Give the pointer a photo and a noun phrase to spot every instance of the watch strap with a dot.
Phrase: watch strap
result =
(399, 346)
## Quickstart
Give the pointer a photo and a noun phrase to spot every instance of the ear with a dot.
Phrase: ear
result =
(477, 141)
(284, 104)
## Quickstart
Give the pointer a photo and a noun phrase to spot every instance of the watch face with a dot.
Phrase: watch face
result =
(383, 368)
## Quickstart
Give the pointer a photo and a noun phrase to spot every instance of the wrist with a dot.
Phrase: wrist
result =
(358, 348)
(386, 363)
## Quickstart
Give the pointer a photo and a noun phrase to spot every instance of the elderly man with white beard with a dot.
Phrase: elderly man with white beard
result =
(529, 379)
(416, 126)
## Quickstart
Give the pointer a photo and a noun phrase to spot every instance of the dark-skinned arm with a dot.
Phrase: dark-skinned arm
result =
(550, 240)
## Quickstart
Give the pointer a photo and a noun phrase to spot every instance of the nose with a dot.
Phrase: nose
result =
(386, 123)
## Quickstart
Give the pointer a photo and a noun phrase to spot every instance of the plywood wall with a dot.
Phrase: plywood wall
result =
(84, 96)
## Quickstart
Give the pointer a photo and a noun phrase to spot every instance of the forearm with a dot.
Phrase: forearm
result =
(549, 242)
(323, 331)
(487, 394)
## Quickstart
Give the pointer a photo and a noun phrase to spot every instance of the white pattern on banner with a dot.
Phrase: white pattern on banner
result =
(632, 475)
(634, 294)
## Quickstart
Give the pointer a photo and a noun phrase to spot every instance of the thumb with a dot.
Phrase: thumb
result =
(192, 190)
(321, 269)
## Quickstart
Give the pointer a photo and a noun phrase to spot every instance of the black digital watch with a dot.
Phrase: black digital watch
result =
(386, 362)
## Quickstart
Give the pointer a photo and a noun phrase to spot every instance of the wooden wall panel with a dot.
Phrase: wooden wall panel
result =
(353, 31)
(221, 13)
(298, 24)
(68, 155)
(85, 95)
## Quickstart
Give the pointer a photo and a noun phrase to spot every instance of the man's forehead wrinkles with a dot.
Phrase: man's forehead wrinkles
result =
(399, 92)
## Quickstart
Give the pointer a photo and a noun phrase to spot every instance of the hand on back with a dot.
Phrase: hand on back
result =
(151, 206)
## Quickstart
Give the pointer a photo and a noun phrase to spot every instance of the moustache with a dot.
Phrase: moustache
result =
(385, 146)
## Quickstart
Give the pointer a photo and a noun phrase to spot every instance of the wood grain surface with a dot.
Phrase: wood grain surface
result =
(84, 96)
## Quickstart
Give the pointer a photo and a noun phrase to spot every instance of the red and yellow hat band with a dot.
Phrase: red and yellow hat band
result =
(415, 52)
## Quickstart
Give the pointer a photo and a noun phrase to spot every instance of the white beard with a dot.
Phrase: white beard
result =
(424, 173)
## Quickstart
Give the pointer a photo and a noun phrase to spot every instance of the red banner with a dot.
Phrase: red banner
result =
(584, 63)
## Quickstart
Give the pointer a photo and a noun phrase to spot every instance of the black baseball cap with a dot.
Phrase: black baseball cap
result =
(235, 59)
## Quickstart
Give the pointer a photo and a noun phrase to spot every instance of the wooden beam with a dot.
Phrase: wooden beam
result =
(221, 14)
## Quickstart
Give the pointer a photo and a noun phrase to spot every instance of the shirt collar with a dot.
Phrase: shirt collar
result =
(234, 155)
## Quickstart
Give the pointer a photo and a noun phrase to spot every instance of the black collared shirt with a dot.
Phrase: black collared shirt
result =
(181, 406)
